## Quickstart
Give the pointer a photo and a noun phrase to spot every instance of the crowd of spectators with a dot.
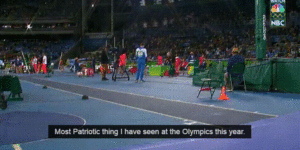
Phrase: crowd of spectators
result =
(37, 47)
(38, 9)
(281, 42)
(210, 30)
(194, 15)
(27, 28)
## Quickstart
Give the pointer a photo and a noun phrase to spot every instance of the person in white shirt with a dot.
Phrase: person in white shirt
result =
(34, 62)
(141, 56)
(44, 64)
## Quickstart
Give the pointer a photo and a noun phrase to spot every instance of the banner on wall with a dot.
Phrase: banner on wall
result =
(278, 13)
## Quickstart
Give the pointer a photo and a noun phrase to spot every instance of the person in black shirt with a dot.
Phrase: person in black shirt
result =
(93, 63)
(236, 58)
(77, 67)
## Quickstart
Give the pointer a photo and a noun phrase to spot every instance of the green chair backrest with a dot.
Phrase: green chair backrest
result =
(218, 72)
(212, 68)
(238, 68)
(220, 68)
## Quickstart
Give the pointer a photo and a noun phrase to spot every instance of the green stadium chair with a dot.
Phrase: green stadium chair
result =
(237, 72)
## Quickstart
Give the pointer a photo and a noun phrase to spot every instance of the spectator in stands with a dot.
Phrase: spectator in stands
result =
(177, 64)
(236, 58)
(183, 65)
(201, 60)
(168, 60)
(159, 59)
(191, 58)
(104, 62)
(202, 63)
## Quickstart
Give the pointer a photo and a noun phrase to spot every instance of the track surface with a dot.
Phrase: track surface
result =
(159, 101)
(205, 114)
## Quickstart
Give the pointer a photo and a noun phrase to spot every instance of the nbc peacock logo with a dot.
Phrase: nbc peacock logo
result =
(277, 8)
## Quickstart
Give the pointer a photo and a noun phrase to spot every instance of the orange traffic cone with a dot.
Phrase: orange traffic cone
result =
(223, 95)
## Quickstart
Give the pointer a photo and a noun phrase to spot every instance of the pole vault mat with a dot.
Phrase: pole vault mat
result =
(21, 126)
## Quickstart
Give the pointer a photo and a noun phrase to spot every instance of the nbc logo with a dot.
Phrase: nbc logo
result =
(277, 23)
(277, 8)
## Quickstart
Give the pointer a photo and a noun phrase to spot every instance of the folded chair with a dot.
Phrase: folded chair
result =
(213, 81)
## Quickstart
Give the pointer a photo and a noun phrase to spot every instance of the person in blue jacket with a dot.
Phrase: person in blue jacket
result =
(141, 58)
(235, 58)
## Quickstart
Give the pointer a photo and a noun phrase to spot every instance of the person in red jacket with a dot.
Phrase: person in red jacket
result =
(39, 67)
(202, 64)
(159, 60)
(201, 59)
(183, 65)
(177, 65)
(122, 61)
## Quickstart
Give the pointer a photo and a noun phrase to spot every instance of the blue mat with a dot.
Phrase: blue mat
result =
(275, 133)
(20, 126)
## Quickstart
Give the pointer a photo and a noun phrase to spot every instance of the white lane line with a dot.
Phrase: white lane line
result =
(189, 122)
(232, 109)
(98, 99)
(84, 123)
(18, 145)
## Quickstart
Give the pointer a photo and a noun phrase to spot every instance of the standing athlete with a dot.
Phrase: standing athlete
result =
(35, 62)
(44, 64)
(141, 56)
(104, 63)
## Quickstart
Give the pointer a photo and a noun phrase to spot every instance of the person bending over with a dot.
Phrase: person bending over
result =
(122, 62)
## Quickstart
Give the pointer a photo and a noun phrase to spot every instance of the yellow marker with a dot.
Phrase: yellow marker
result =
(16, 146)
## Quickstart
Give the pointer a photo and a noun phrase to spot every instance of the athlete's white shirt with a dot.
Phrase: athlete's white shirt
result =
(34, 61)
(45, 60)
(140, 52)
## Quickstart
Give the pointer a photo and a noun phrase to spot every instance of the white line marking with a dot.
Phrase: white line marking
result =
(165, 99)
(190, 123)
(98, 99)
(18, 145)
(84, 123)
